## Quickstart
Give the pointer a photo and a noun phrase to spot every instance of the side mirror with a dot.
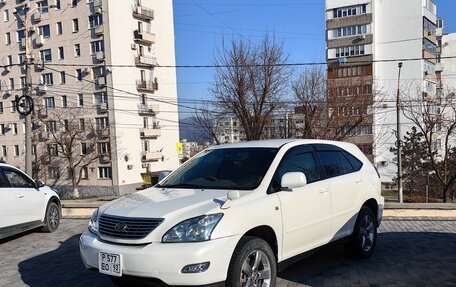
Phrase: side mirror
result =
(292, 180)
(39, 183)
(163, 174)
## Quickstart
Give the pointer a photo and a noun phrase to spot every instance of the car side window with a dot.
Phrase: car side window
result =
(354, 162)
(332, 163)
(298, 159)
(3, 182)
(17, 179)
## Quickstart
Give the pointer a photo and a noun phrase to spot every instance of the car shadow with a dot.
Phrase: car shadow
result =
(60, 267)
(400, 259)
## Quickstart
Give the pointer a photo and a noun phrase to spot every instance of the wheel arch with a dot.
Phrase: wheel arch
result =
(268, 234)
(373, 205)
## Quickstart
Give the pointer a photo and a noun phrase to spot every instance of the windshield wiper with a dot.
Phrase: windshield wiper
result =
(182, 185)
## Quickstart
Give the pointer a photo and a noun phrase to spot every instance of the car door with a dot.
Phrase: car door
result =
(29, 200)
(345, 185)
(7, 204)
(306, 211)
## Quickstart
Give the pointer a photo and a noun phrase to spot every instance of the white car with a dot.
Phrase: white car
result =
(235, 214)
(26, 204)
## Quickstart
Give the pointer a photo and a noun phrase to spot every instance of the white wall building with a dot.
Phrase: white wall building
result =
(379, 34)
(101, 56)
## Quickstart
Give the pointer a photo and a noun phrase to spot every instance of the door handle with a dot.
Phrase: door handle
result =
(20, 196)
(323, 190)
(359, 180)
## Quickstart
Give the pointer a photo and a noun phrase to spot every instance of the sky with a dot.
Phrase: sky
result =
(201, 26)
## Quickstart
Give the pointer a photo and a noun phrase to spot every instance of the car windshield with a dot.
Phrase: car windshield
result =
(228, 168)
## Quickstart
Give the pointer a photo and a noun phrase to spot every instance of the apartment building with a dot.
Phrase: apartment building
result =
(366, 39)
(95, 64)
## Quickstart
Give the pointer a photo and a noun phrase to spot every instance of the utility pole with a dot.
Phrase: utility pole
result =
(399, 141)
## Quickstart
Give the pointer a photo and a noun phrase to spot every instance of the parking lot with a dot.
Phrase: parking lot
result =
(410, 252)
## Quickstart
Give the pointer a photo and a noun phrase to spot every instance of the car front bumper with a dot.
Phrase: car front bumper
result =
(164, 261)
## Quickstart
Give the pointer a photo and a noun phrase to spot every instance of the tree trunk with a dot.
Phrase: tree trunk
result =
(74, 186)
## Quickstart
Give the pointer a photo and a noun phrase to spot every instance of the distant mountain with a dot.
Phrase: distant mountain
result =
(190, 130)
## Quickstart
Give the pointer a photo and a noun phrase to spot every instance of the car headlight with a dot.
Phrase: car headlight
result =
(93, 223)
(194, 229)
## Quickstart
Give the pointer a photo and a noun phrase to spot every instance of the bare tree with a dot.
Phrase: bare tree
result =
(332, 109)
(250, 82)
(434, 117)
(208, 122)
(66, 143)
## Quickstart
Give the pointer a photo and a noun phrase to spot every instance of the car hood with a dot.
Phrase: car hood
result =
(165, 202)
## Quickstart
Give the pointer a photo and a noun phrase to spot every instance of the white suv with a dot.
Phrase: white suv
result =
(25, 203)
(235, 214)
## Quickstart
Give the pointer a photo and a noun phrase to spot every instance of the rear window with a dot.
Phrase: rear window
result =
(355, 163)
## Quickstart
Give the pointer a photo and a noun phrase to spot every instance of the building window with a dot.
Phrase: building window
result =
(4, 151)
(64, 102)
(104, 173)
(95, 20)
(350, 11)
(20, 35)
(84, 150)
(62, 78)
(75, 25)
(81, 124)
(7, 38)
(2, 129)
(51, 126)
(16, 150)
(13, 108)
(102, 123)
(11, 84)
(77, 50)
(103, 148)
(97, 46)
(54, 172)
(84, 172)
(98, 72)
(5, 15)
(429, 46)
(46, 55)
(100, 98)
(80, 100)
(59, 28)
(14, 129)
(9, 60)
(61, 53)
(78, 75)
(45, 31)
(1, 107)
(74, 3)
(356, 50)
(57, 5)
(43, 6)
(49, 102)
(47, 79)
(21, 58)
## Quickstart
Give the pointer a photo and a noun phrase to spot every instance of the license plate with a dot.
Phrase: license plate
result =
(110, 263)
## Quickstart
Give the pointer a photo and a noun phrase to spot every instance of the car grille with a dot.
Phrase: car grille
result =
(127, 227)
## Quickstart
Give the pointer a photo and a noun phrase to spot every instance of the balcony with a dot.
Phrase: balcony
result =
(102, 108)
(143, 13)
(99, 30)
(104, 158)
(100, 82)
(146, 86)
(41, 89)
(148, 110)
(151, 132)
(144, 61)
(151, 156)
(143, 37)
(103, 133)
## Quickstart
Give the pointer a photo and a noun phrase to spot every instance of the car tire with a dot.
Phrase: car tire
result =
(52, 218)
(364, 237)
(253, 261)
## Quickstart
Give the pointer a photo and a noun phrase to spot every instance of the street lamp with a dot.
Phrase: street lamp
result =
(399, 141)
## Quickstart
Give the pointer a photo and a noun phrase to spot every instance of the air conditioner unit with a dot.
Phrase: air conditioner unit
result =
(86, 70)
(101, 81)
(100, 56)
(39, 64)
(145, 165)
(39, 40)
(32, 29)
(133, 46)
(98, 10)
(37, 16)
(7, 68)
(362, 37)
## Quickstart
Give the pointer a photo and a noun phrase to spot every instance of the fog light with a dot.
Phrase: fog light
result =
(195, 268)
